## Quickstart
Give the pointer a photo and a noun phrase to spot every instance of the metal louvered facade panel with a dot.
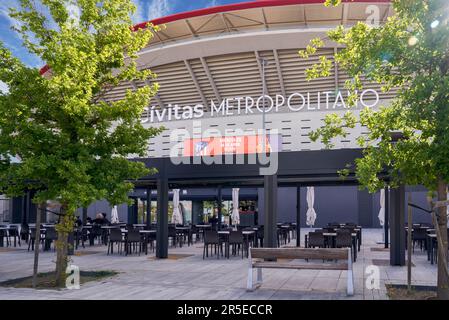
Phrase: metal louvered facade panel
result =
(213, 61)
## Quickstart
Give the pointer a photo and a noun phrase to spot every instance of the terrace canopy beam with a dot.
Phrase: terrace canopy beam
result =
(259, 66)
(211, 79)
(279, 71)
(195, 82)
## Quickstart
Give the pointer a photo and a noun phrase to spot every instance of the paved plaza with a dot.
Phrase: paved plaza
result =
(185, 275)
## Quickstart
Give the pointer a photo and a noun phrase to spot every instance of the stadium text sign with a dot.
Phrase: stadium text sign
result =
(325, 100)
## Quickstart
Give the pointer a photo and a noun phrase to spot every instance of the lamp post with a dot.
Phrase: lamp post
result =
(397, 201)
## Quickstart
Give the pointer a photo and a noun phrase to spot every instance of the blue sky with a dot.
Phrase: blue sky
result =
(146, 10)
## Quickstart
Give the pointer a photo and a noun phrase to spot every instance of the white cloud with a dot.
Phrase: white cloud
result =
(149, 10)
(3, 87)
(74, 12)
(4, 12)
(158, 9)
(212, 3)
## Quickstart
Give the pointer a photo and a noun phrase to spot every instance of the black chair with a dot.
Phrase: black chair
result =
(187, 235)
(260, 235)
(133, 240)
(25, 232)
(174, 235)
(419, 235)
(3, 236)
(13, 232)
(282, 236)
(50, 236)
(194, 230)
(235, 242)
(351, 224)
(31, 239)
(150, 239)
(294, 230)
(212, 239)
(81, 235)
(96, 233)
(115, 236)
(344, 240)
(316, 240)
(426, 224)
(348, 227)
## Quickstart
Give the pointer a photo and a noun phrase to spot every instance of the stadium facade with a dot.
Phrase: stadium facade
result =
(219, 69)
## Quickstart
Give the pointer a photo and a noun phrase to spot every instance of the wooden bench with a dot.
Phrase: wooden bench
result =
(270, 256)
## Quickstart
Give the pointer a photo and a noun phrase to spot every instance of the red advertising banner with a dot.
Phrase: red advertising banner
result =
(212, 146)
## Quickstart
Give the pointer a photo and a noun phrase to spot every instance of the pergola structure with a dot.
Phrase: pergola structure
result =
(215, 53)
(298, 169)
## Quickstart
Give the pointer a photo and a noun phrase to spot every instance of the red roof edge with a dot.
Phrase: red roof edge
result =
(44, 69)
(238, 6)
(226, 8)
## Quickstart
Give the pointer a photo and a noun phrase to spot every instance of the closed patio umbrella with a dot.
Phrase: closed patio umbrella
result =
(114, 215)
(381, 215)
(176, 217)
(235, 216)
(311, 214)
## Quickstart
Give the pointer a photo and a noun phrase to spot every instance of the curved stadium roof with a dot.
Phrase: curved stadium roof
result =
(212, 53)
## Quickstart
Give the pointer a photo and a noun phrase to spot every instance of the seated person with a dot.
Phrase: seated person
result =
(98, 219)
(213, 221)
(105, 220)
(78, 222)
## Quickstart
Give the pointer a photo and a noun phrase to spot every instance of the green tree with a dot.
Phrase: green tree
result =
(73, 143)
(410, 52)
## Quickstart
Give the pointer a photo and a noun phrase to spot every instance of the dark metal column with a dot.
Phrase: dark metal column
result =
(298, 216)
(148, 208)
(219, 205)
(130, 214)
(162, 218)
(136, 210)
(270, 210)
(28, 207)
(397, 220)
(387, 217)
(84, 215)
(197, 212)
(25, 208)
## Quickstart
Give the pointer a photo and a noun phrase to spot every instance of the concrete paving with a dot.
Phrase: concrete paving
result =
(190, 277)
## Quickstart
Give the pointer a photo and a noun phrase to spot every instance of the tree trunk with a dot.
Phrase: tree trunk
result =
(37, 242)
(63, 228)
(443, 279)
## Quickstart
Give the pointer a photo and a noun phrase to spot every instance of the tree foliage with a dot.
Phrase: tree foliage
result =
(410, 52)
(72, 143)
